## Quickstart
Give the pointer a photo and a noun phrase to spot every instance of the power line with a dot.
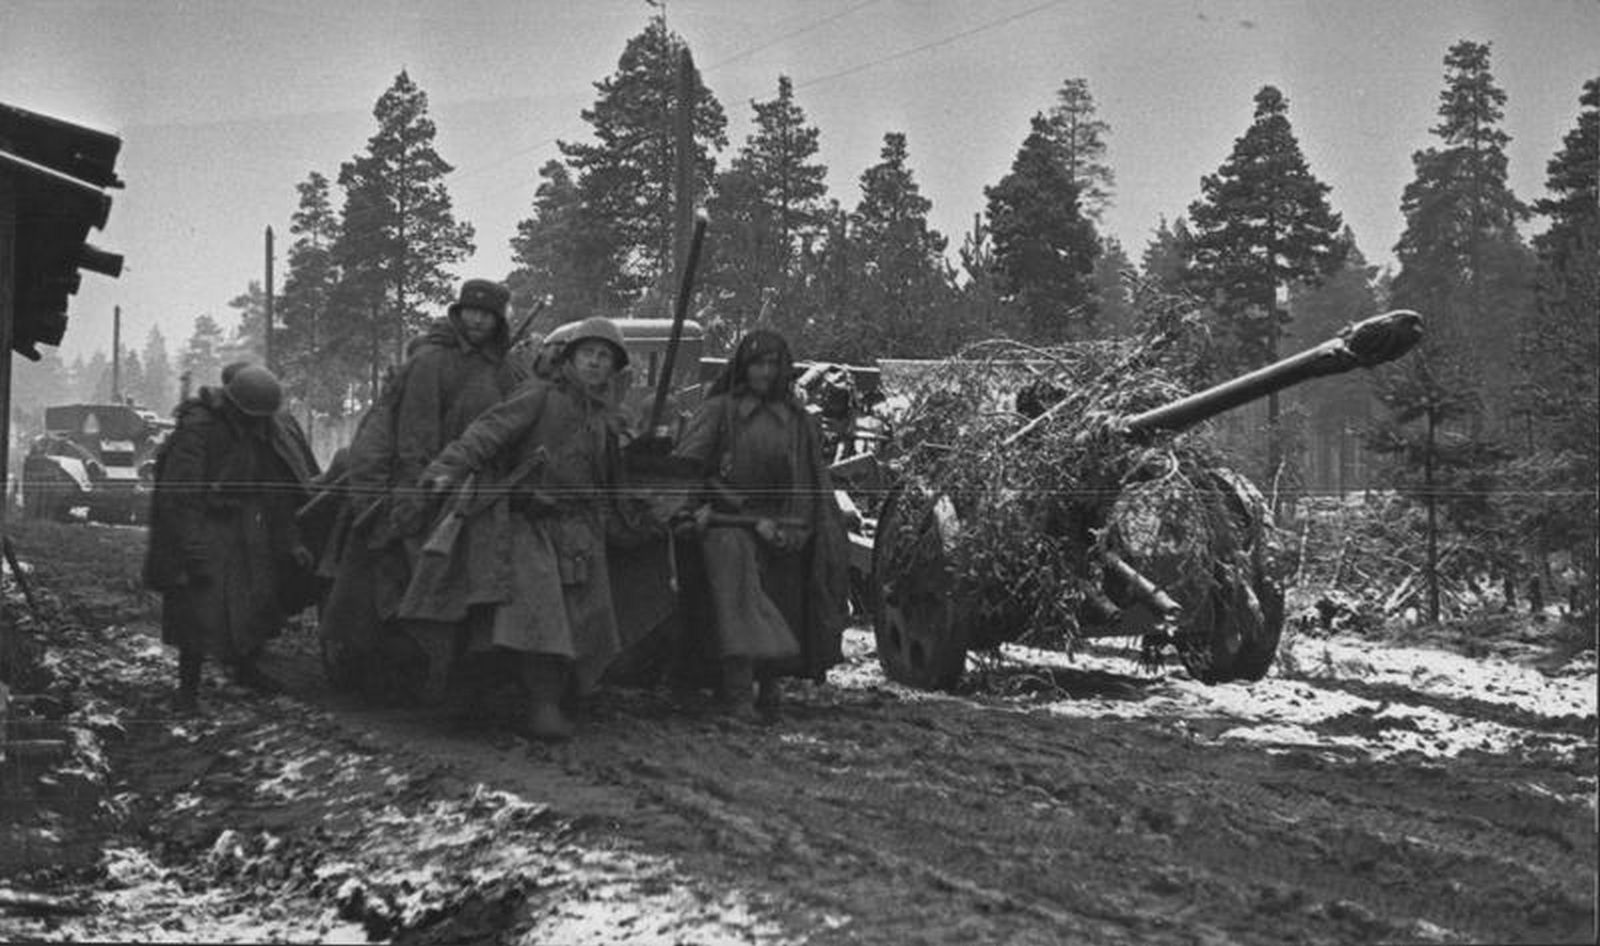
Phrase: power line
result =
(790, 35)
(742, 54)
(927, 46)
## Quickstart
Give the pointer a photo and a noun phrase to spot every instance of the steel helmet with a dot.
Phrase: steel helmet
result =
(254, 390)
(597, 326)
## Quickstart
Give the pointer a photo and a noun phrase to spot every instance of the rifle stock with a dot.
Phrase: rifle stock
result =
(442, 540)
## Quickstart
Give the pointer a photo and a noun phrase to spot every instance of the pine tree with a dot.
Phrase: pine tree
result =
(1044, 248)
(1556, 508)
(1262, 224)
(564, 253)
(1461, 262)
(246, 344)
(94, 382)
(768, 207)
(625, 178)
(1079, 137)
(1115, 314)
(202, 354)
(397, 234)
(314, 356)
(160, 387)
(902, 296)
(1463, 266)
(1567, 331)
(1167, 257)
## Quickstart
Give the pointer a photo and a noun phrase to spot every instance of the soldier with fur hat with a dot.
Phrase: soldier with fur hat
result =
(453, 372)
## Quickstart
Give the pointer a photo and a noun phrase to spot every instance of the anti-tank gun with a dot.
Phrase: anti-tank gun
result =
(1097, 518)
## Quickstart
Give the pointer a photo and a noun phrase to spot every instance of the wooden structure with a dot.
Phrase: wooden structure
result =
(53, 181)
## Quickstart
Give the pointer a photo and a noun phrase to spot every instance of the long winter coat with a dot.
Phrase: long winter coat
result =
(784, 609)
(537, 555)
(440, 389)
(222, 529)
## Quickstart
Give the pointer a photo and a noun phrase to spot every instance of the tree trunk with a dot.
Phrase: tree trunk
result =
(1433, 524)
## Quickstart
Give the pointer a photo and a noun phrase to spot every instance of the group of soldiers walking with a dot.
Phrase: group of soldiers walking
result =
(474, 511)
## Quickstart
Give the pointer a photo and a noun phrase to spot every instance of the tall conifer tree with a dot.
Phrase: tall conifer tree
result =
(903, 293)
(1044, 248)
(398, 234)
(1262, 224)
(1079, 135)
(769, 209)
(564, 252)
(625, 178)
(315, 352)
(1463, 266)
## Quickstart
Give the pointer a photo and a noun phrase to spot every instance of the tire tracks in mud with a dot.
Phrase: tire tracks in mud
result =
(868, 817)
(871, 815)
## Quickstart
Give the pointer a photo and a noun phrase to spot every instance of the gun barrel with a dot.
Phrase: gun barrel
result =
(1365, 344)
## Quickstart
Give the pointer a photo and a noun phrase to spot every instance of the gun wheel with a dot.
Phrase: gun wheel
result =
(921, 631)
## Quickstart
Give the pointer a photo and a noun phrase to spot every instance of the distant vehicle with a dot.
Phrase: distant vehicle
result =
(95, 457)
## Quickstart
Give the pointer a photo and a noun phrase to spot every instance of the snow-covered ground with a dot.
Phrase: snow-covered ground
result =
(1375, 699)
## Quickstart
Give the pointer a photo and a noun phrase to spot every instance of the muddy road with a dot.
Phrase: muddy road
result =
(1363, 793)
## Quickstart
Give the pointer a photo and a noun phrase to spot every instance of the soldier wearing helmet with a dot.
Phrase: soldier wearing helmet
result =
(224, 548)
(558, 438)
(452, 373)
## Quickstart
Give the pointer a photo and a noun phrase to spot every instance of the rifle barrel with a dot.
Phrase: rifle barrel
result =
(680, 312)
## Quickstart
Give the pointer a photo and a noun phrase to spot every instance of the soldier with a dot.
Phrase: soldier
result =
(777, 587)
(224, 550)
(553, 606)
(454, 372)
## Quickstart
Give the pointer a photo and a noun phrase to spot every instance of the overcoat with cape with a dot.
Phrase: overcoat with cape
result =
(542, 563)
(222, 528)
(786, 609)
(441, 388)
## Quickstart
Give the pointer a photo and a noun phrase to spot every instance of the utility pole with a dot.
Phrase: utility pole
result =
(266, 330)
(683, 168)
(116, 354)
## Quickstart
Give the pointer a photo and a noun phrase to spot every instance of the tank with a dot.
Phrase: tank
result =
(1090, 521)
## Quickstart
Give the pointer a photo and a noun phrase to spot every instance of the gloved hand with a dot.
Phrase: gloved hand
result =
(687, 522)
(302, 557)
(770, 533)
(407, 512)
(436, 480)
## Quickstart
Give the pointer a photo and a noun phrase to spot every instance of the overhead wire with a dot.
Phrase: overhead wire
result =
(808, 83)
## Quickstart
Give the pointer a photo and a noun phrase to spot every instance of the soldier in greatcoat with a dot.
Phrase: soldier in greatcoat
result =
(224, 549)
(545, 554)
(777, 587)
(455, 371)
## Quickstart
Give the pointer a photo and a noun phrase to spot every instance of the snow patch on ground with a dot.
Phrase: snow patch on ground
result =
(1308, 708)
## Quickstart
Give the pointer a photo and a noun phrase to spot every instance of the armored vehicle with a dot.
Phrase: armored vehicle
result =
(96, 457)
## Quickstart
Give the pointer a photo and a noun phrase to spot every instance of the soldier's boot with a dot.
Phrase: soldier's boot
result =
(769, 695)
(248, 674)
(738, 680)
(546, 679)
(189, 664)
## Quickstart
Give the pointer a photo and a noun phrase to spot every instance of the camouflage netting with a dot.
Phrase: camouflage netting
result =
(1036, 507)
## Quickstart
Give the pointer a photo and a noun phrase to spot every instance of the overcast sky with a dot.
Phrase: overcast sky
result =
(225, 105)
